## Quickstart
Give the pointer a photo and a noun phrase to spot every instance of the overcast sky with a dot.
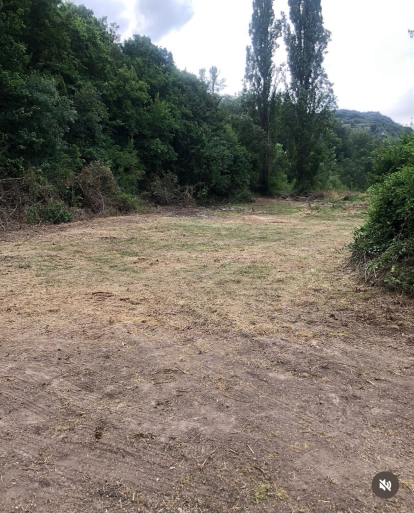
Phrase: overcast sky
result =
(370, 60)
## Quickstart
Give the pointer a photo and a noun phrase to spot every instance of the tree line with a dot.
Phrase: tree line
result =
(88, 121)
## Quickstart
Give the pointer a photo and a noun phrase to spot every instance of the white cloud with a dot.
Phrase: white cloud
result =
(157, 18)
(403, 111)
(216, 36)
(115, 12)
(370, 59)
(371, 56)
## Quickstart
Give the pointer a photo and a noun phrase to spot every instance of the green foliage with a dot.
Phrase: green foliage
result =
(264, 32)
(375, 123)
(392, 156)
(227, 162)
(384, 246)
(127, 203)
(278, 181)
(354, 156)
(91, 115)
(13, 56)
(52, 212)
(261, 493)
(252, 137)
(89, 122)
(165, 190)
(89, 131)
(127, 167)
(98, 188)
(43, 121)
(309, 101)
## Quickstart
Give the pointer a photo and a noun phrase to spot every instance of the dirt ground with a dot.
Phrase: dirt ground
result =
(199, 361)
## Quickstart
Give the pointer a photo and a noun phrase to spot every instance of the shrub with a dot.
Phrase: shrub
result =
(244, 196)
(384, 246)
(99, 189)
(52, 212)
(165, 190)
(127, 203)
(392, 156)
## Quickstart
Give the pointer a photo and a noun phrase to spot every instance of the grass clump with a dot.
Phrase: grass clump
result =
(261, 493)
(384, 246)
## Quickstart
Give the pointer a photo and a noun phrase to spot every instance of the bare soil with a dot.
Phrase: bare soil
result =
(201, 360)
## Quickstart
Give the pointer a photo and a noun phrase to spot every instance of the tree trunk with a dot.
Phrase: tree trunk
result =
(265, 172)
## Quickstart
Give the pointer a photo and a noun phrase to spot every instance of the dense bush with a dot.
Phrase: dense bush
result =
(52, 212)
(99, 191)
(384, 246)
(103, 122)
(392, 156)
(165, 190)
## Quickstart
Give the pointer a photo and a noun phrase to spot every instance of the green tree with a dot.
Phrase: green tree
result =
(77, 106)
(13, 61)
(354, 155)
(88, 131)
(264, 32)
(37, 121)
(392, 156)
(310, 99)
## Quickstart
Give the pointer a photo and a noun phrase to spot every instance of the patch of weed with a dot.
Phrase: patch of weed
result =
(261, 493)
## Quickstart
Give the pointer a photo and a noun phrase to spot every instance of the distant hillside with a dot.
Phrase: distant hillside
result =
(373, 122)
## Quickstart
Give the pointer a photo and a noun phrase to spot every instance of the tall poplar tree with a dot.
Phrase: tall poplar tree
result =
(264, 32)
(310, 98)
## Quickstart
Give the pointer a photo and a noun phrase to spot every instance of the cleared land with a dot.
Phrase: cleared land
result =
(201, 360)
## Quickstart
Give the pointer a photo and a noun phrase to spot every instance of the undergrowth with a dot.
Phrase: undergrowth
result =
(383, 248)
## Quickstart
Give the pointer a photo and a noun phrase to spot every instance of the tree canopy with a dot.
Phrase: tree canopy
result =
(74, 100)
(309, 100)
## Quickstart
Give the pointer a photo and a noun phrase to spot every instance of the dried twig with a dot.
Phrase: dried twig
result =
(211, 454)
(261, 470)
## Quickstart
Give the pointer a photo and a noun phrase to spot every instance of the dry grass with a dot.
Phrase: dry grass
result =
(220, 270)
(227, 354)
